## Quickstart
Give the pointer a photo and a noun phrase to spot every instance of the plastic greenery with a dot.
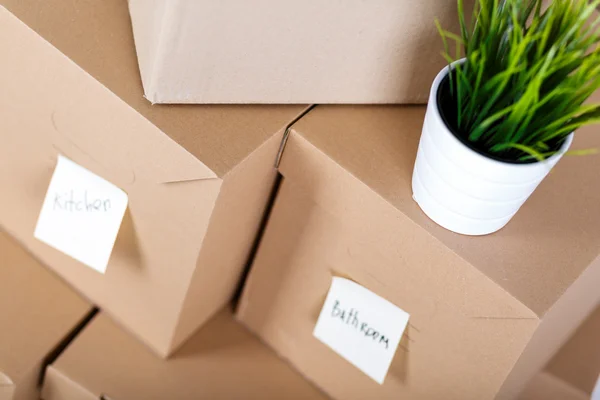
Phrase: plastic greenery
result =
(527, 74)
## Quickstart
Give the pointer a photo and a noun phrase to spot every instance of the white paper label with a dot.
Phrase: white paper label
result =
(596, 392)
(360, 326)
(81, 214)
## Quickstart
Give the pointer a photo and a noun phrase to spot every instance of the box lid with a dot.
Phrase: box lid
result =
(97, 36)
(535, 258)
(222, 360)
(37, 311)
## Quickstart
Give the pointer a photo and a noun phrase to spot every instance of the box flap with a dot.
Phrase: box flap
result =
(220, 136)
(547, 246)
(44, 91)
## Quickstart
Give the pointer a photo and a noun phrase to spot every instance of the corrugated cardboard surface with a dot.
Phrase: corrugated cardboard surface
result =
(311, 51)
(37, 311)
(480, 307)
(195, 175)
(222, 361)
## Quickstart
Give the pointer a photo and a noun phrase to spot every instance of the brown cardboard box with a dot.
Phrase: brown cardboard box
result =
(37, 313)
(198, 178)
(486, 313)
(574, 371)
(269, 51)
(222, 361)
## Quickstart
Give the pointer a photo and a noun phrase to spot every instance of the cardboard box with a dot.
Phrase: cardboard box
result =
(37, 314)
(222, 361)
(573, 373)
(269, 51)
(486, 313)
(198, 178)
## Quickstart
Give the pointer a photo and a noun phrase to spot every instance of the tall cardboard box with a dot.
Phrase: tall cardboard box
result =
(486, 313)
(574, 372)
(37, 314)
(222, 361)
(198, 178)
(270, 51)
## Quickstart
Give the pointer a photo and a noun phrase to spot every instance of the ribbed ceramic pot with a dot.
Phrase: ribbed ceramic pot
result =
(464, 190)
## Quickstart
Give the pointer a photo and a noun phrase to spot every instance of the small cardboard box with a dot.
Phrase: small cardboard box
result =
(222, 361)
(294, 52)
(198, 177)
(38, 312)
(486, 313)
(574, 372)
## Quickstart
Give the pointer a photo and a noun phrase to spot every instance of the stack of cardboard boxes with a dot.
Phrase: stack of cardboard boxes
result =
(267, 205)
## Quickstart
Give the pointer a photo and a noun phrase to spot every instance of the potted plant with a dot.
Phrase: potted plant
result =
(501, 117)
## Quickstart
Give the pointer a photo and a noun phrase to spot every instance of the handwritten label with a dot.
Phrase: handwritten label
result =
(360, 326)
(81, 214)
(596, 392)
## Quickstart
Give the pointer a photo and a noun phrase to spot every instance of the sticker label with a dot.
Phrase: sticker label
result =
(361, 326)
(81, 214)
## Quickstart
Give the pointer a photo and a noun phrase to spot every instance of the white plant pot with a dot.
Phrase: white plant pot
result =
(463, 190)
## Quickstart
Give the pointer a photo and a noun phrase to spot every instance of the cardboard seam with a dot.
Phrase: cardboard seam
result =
(287, 132)
(210, 221)
(258, 240)
(65, 342)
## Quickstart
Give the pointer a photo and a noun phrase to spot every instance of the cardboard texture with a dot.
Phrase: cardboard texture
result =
(486, 313)
(269, 51)
(37, 311)
(545, 386)
(198, 177)
(222, 361)
(578, 361)
(574, 371)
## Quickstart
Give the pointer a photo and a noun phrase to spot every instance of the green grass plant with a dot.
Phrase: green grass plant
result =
(528, 72)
